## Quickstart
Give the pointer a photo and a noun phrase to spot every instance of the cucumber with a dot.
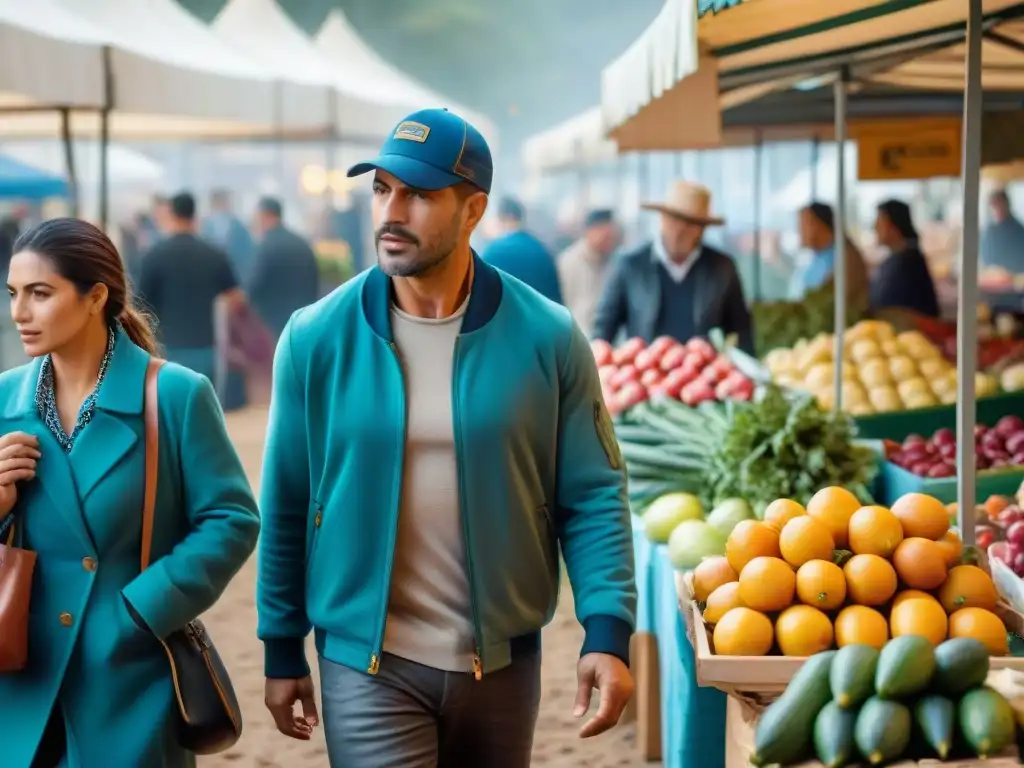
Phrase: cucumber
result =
(785, 732)
(882, 732)
(905, 667)
(853, 674)
(636, 433)
(936, 719)
(987, 722)
(651, 456)
(960, 665)
(833, 734)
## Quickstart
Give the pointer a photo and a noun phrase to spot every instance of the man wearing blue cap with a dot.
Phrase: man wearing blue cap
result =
(520, 254)
(436, 435)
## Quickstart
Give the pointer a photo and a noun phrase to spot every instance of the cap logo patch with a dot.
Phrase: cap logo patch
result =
(411, 131)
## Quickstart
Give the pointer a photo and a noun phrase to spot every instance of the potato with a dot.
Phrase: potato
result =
(948, 397)
(885, 399)
(820, 376)
(920, 400)
(865, 350)
(875, 373)
(891, 348)
(912, 388)
(933, 368)
(902, 368)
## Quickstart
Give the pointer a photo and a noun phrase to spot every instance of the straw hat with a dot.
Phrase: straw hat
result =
(688, 201)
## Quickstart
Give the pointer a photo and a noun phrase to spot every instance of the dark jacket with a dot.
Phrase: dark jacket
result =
(903, 281)
(284, 277)
(632, 297)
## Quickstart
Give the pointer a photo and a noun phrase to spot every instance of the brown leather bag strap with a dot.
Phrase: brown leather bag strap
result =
(151, 417)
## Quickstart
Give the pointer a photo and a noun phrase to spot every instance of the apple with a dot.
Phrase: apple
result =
(628, 351)
(602, 352)
(673, 358)
(625, 374)
(944, 436)
(942, 470)
(663, 344)
(647, 360)
(651, 377)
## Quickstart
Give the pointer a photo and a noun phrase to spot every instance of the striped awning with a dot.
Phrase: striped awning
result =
(779, 44)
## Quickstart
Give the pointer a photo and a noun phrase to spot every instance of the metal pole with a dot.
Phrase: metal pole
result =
(839, 267)
(815, 154)
(967, 319)
(67, 141)
(104, 148)
(758, 157)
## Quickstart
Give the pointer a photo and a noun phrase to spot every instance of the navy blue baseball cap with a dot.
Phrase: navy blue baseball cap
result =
(433, 149)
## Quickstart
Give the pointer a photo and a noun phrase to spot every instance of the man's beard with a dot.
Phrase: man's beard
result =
(420, 258)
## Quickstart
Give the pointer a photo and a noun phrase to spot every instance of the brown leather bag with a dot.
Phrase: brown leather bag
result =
(209, 718)
(16, 568)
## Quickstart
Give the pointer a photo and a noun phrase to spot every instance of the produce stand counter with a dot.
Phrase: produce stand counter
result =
(690, 719)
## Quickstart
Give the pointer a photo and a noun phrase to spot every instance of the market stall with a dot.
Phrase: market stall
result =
(918, 555)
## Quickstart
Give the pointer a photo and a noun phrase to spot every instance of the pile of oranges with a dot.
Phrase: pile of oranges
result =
(804, 580)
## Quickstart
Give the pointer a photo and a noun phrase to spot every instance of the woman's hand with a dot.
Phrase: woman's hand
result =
(18, 454)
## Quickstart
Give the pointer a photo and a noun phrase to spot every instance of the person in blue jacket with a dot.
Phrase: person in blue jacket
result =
(520, 254)
(97, 690)
(437, 434)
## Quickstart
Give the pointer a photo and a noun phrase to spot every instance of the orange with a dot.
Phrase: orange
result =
(781, 511)
(860, 624)
(922, 516)
(875, 531)
(983, 626)
(821, 583)
(721, 601)
(919, 616)
(834, 506)
(804, 539)
(750, 539)
(909, 594)
(712, 573)
(743, 632)
(967, 586)
(952, 547)
(920, 563)
(870, 580)
(803, 631)
(767, 584)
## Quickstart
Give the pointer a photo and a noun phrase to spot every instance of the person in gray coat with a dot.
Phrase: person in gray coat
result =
(284, 274)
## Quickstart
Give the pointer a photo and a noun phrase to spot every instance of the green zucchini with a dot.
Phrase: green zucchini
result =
(785, 732)
(883, 730)
(639, 434)
(987, 722)
(833, 735)
(853, 675)
(936, 720)
(960, 665)
(652, 456)
(905, 667)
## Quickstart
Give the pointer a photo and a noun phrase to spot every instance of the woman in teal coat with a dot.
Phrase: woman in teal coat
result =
(97, 689)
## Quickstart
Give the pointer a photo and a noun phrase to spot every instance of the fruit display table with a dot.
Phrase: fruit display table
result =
(692, 719)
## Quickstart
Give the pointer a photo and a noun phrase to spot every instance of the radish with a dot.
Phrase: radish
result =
(602, 352)
(625, 374)
(673, 358)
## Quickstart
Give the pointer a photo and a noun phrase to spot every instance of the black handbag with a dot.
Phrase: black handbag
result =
(209, 718)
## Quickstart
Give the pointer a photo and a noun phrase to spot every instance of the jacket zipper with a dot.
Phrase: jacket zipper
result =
(375, 654)
(478, 664)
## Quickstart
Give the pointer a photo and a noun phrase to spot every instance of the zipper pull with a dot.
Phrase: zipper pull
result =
(478, 667)
(374, 665)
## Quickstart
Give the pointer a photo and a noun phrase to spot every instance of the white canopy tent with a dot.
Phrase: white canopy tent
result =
(576, 142)
(318, 87)
(125, 165)
(170, 76)
(365, 73)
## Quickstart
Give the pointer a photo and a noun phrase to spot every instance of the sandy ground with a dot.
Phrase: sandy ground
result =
(232, 623)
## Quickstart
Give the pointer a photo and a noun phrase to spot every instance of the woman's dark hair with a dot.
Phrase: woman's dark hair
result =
(83, 254)
(898, 213)
(824, 214)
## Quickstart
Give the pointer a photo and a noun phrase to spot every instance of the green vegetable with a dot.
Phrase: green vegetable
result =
(987, 722)
(905, 667)
(833, 735)
(883, 730)
(691, 541)
(785, 731)
(936, 718)
(960, 664)
(784, 323)
(853, 675)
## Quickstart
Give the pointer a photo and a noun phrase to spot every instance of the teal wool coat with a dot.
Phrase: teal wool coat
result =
(82, 514)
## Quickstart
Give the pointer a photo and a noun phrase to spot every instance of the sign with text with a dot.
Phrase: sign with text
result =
(908, 151)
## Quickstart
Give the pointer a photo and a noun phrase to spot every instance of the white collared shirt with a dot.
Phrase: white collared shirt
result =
(677, 271)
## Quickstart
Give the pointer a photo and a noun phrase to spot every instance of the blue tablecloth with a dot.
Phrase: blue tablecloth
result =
(692, 718)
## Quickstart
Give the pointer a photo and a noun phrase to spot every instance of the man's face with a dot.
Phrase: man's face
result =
(1000, 207)
(415, 230)
(162, 216)
(680, 237)
(604, 238)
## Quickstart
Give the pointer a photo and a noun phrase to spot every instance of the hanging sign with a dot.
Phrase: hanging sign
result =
(910, 150)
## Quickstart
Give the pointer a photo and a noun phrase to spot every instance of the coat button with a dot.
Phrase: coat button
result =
(66, 619)
(89, 564)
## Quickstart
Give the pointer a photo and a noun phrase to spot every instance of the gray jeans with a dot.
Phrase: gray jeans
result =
(412, 716)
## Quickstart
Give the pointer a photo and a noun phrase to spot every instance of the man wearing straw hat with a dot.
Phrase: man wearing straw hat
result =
(676, 285)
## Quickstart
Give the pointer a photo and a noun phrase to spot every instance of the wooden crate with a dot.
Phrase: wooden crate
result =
(761, 679)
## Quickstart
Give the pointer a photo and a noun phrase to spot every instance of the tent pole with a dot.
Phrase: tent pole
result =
(69, 158)
(104, 149)
(815, 153)
(967, 318)
(331, 146)
(758, 160)
(839, 266)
